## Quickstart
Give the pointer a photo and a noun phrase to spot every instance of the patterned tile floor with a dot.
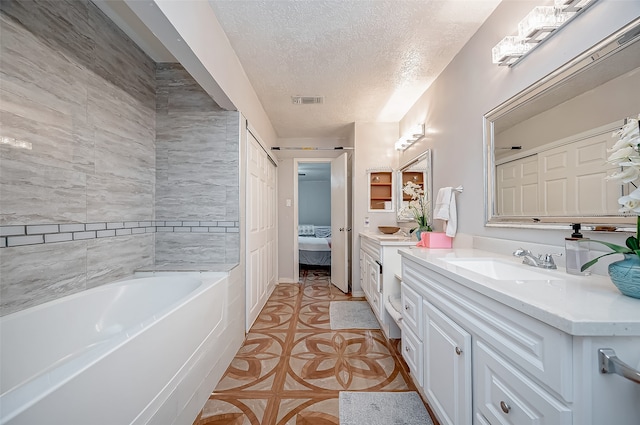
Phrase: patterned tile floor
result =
(292, 366)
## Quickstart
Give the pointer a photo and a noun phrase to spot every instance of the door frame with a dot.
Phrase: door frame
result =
(296, 252)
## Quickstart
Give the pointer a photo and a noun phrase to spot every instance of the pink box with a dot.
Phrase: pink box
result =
(436, 240)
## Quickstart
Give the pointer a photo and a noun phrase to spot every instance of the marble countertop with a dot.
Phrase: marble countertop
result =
(577, 305)
(395, 239)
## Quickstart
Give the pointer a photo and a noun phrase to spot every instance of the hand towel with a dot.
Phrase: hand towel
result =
(442, 207)
(445, 209)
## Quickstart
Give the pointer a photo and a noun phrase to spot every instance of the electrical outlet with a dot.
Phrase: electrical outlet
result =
(366, 222)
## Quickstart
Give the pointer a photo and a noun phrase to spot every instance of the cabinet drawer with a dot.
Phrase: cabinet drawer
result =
(412, 353)
(503, 395)
(412, 310)
(376, 303)
(370, 247)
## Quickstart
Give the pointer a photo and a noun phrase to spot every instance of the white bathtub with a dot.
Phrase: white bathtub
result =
(131, 352)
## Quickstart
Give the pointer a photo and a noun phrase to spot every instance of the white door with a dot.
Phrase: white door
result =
(261, 228)
(339, 224)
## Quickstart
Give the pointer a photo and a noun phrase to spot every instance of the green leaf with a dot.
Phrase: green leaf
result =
(616, 248)
(632, 243)
(588, 264)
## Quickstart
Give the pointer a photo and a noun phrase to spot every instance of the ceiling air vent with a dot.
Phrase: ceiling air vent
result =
(307, 100)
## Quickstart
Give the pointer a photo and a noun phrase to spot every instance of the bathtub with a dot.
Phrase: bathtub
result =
(131, 352)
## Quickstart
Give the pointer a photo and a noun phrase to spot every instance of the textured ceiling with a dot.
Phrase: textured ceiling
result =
(370, 59)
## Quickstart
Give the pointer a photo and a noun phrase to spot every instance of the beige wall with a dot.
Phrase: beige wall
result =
(287, 178)
(471, 85)
(374, 147)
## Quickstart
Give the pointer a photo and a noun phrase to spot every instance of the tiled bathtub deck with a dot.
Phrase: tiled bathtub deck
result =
(292, 367)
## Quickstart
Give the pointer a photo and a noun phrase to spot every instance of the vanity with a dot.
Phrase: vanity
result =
(380, 277)
(490, 340)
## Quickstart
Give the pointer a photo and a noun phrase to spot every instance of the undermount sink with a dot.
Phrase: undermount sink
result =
(499, 269)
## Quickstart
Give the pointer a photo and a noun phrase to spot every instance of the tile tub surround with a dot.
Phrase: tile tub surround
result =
(77, 152)
(292, 366)
(197, 173)
(11, 236)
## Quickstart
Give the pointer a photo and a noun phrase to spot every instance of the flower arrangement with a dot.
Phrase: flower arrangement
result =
(626, 155)
(419, 206)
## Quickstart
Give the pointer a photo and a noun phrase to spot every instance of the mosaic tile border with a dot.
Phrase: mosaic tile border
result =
(34, 234)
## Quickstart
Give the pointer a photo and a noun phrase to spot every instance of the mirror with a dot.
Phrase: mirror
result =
(418, 170)
(546, 148)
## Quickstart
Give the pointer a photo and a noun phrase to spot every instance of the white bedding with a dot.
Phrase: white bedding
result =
(307, 243)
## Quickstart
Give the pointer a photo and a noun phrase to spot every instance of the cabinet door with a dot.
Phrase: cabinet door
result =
(505, 396)
(447, 367)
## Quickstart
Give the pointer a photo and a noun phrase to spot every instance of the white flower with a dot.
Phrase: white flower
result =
(625, 154)
(630, 202)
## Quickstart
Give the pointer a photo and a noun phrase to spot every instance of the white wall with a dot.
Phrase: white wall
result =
(314, 202)
(471, 85)
(374, 147)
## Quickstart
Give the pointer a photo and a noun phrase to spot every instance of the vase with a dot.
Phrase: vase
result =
(419, 231)
(625, 274)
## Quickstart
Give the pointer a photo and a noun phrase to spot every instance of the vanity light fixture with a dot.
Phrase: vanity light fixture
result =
(413, 135)
(536, 27)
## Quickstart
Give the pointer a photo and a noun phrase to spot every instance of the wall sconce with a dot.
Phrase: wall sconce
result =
(536, 27)
(415, 133)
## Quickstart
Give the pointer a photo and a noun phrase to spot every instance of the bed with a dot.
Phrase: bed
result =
(314, 245)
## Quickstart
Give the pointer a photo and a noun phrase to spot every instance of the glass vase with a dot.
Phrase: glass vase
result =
(625, 274)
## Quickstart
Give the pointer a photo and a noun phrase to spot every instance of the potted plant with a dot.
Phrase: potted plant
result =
(625, 153)
(419, 207)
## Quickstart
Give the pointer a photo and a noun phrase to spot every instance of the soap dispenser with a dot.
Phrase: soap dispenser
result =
(576, 251)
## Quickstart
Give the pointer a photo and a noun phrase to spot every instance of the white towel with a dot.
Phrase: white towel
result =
(445, 209)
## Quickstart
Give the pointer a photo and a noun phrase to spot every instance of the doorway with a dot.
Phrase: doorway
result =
(320, 217)
(313, 217)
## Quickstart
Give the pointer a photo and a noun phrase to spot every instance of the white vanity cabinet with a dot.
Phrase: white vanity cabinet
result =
(379, 265)
(485, 362)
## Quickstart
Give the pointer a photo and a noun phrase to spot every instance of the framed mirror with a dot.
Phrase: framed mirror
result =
(546, 148)
(418, 171)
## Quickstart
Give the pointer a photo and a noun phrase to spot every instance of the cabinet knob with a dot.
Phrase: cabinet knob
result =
(406, 349)
(505, 407)
(458, 351)
(406, 307)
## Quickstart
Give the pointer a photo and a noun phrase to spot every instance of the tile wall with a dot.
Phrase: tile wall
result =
(78, 163)
(197, 175)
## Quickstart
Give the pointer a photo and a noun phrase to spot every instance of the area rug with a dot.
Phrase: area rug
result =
(351, 315)
(382, 408)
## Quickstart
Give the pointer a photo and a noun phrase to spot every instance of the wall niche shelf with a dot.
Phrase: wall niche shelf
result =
(381, 191)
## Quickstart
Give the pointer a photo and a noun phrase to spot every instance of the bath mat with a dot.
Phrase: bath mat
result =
(382, 408)
(351, 315)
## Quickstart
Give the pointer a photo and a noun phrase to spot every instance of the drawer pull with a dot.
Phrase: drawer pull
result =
(610, 363)
(505, 407)
(458, 351)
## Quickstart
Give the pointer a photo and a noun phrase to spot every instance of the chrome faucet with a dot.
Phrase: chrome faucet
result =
(543, 261)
